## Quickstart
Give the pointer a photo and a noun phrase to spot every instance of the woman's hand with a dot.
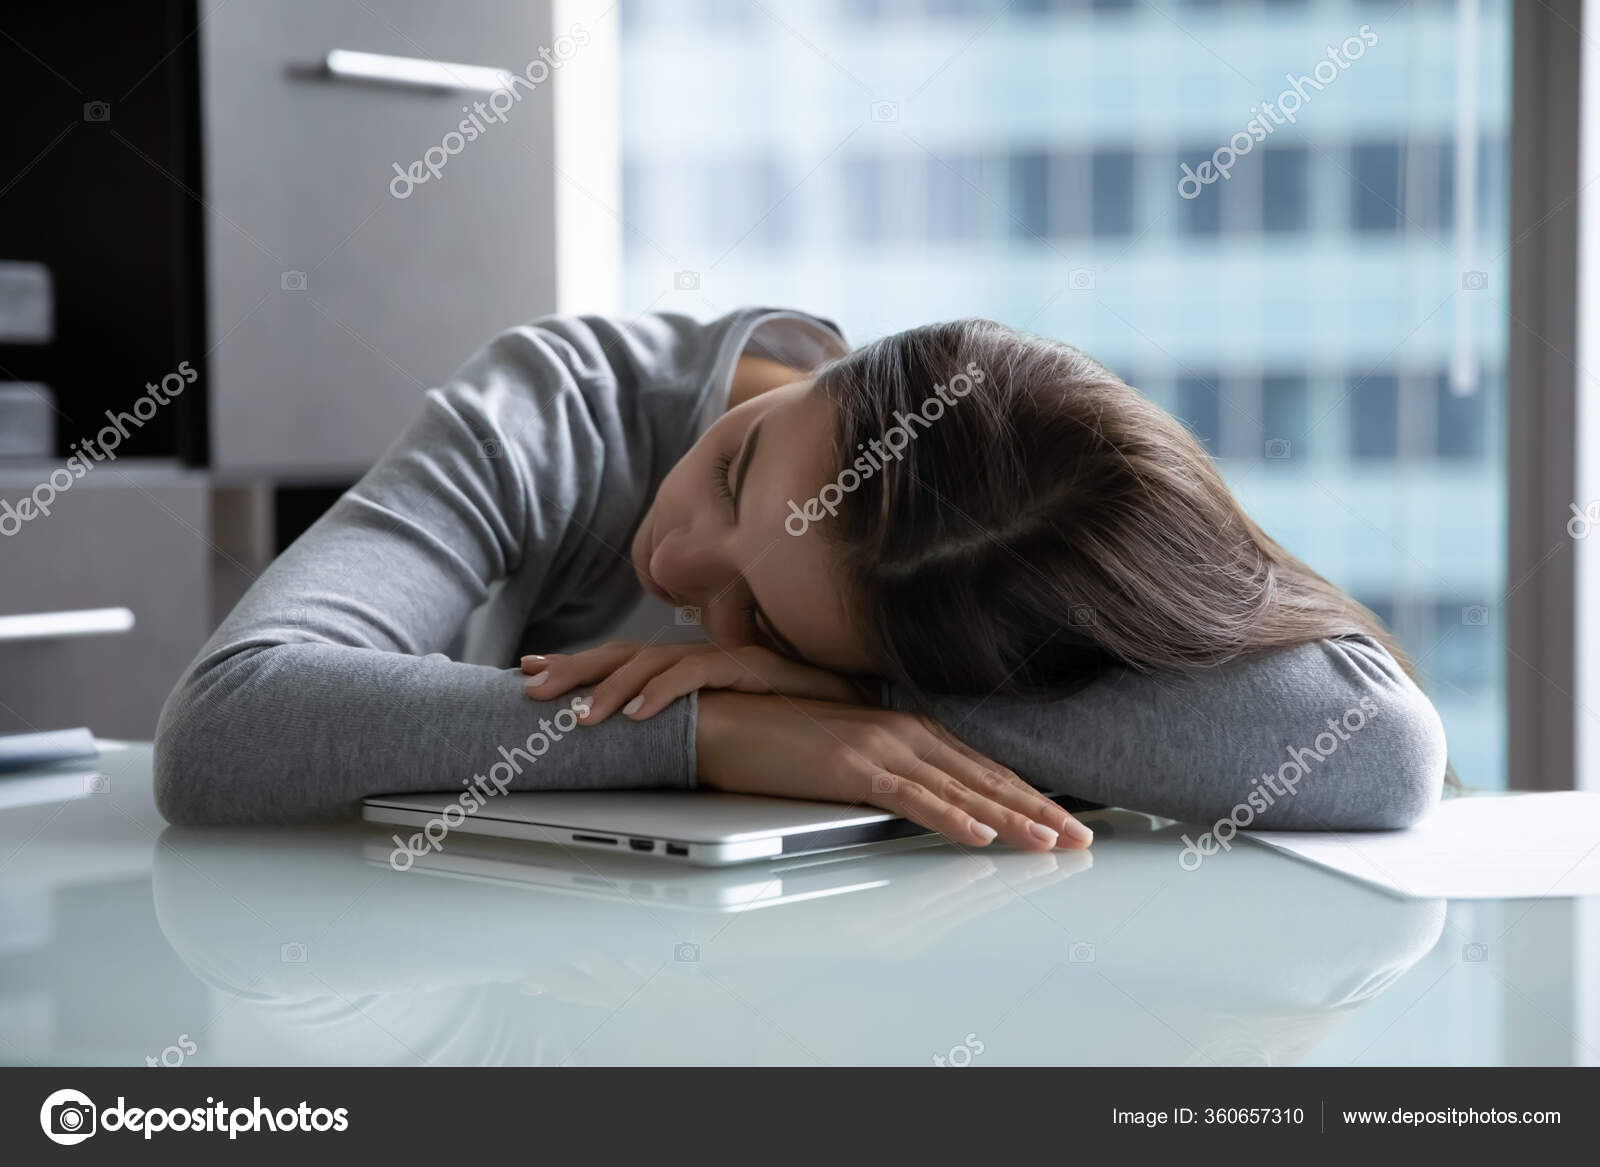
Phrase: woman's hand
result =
(750, 744)
(642, 681)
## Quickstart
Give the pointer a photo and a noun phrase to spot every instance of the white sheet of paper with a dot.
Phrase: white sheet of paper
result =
(1514, 846)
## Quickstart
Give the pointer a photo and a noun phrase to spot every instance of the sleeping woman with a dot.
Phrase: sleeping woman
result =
(939, 574)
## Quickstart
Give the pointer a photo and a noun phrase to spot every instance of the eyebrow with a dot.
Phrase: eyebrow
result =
(741, 469)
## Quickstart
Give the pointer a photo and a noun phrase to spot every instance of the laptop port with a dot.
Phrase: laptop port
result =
(594, 839)
(642, 844)
(677, 849)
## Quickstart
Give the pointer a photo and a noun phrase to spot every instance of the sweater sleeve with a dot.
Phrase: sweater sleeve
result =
(329, 681)
(1327, 736)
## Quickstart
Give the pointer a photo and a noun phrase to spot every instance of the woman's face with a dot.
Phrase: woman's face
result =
(714, 538)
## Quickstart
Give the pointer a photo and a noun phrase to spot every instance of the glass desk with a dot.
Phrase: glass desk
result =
(124, 941)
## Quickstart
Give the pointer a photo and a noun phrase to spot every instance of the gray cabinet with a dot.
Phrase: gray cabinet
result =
(123, 536)
(333, 303)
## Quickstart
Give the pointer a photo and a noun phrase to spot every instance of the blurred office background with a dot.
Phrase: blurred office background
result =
(1330, 320)
(205, 187)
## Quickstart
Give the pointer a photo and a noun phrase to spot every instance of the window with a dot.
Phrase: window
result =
(1199, 406)
(1374, 416)
(1285, 193)
(1113, 192)
(1298, 314)
(1286, 417)
(1460, 422)
(1199, 215)
(1375, 187)
(1030, 194)
(954, 197)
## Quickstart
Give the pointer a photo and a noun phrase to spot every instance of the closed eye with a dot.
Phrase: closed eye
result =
(719, 475)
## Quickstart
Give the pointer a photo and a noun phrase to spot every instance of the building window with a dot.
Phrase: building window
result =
(1201, 215)
(1374, 403)
(1375, 187)
(1030, 195)
(1113, 192)
(1285, 189)
(1459, 421)
(1199, 406)
(1285, 416)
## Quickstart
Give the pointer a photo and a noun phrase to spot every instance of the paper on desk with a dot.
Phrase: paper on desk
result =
(22, 751)
(1516, 846)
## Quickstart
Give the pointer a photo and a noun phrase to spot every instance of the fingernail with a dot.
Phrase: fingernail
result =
(633, 706)
(1040, 831)
(539, 678)
(983, 832)
(531, 656)
(584, 707)
(1077, 832)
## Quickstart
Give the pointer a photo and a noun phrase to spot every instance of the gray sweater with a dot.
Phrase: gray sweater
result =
(377, 654)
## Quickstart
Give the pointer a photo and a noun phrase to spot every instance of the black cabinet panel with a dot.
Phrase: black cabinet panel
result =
(100, 182)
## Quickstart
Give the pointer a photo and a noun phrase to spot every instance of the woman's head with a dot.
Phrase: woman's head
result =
(989, 510)
(713, 539)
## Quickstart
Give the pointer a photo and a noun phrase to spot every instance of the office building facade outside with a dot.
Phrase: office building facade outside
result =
(1328, 316)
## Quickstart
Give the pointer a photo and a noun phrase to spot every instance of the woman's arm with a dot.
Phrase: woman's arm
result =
(330, 682)
(1330, 735)
(1327, 736)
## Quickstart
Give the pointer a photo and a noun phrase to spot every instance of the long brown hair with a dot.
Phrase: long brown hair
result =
(1047, 524)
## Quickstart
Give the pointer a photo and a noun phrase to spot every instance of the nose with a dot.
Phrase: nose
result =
(691, 565)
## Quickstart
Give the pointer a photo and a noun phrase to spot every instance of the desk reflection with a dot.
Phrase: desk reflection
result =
(499, 953)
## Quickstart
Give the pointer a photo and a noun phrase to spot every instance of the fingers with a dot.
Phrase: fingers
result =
(629, 677)
(550, 676)
(917, 802)
(749, 670)
(656, 677)
(1003, 787)
(1015, 827)
(650, 680)
(687, 676)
